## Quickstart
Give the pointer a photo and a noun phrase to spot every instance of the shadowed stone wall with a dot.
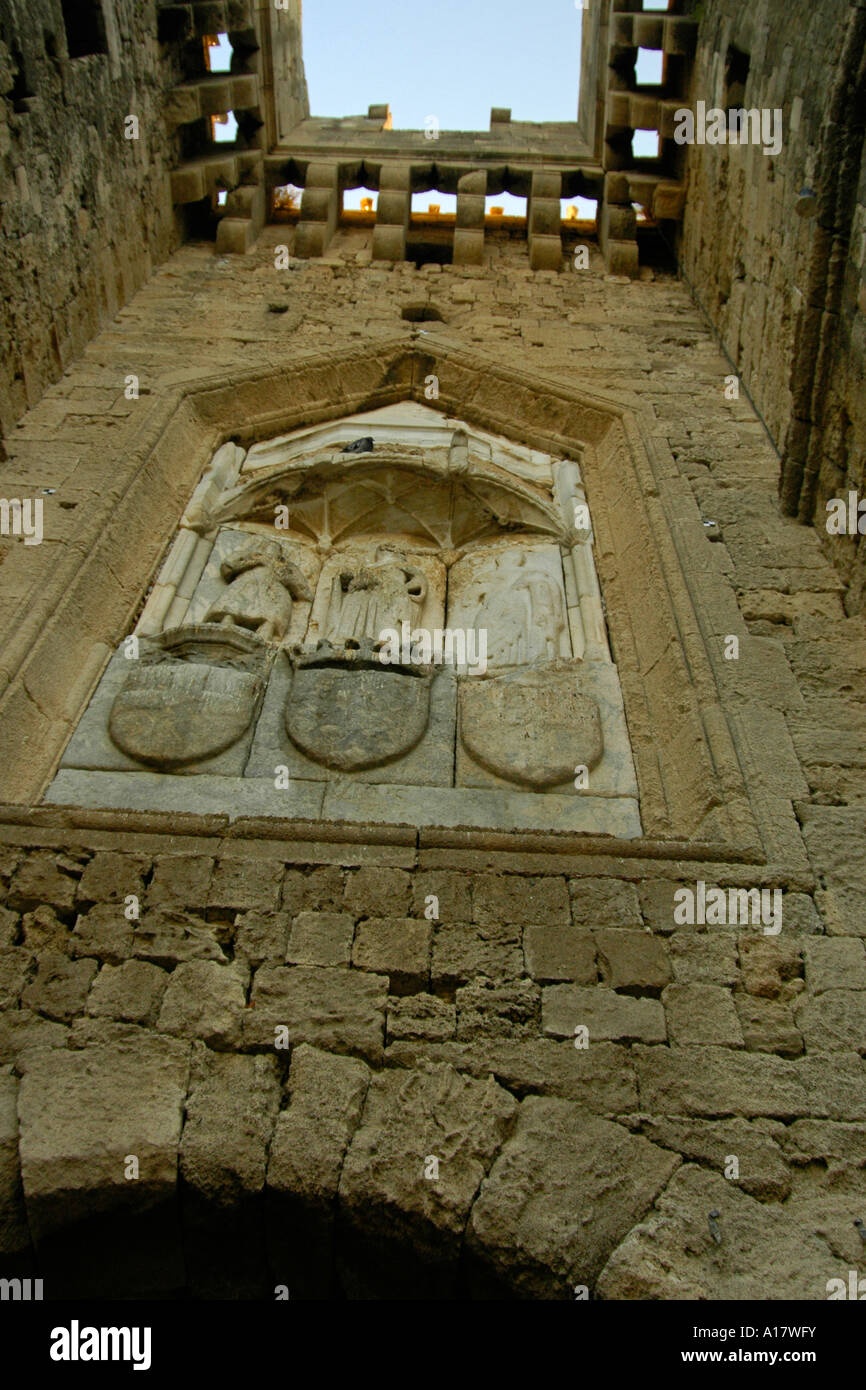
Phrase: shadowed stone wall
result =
(86, 212)
(781, 275)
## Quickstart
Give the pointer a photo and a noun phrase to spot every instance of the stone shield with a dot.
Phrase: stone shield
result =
(359, 715)
(532, 727)
(170, 715)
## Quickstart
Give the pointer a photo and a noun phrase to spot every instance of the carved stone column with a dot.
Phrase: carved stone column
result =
(544, 221)
(392, 213)
(320, 208)
(469, 232)
(617, 228)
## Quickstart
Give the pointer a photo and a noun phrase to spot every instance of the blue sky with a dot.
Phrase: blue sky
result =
(452, 59)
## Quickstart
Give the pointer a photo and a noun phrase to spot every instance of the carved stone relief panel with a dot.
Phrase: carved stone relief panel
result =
(516, 593)
(413, 608)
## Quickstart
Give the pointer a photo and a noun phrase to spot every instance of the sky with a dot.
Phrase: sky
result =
(451, 59)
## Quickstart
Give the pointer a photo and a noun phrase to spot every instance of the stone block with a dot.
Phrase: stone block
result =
(83, 1112)
(462, 951)
(717, 1082)
(452, 891)
(621, 258)
(181, 106)
(560, 953)
(392, 209)
(768, 1025)
(103, 932)
(665, 1257)
(657, 904)
(835, 843)
(188, 184)
(205, 1000)
(619, 223)
(545, 252)
(335, 1009)
(9, 925)
(321, 938)
(181, 880)
(60, 987)
(41, 930)
(389, 1194)
(16, 965)
(261, 937)
(21, 1029)
(551, 1210)
(669, 199)
(420, 1017)
(468, 246)
(834, 1021)
(769, 966)
(604, 902)
(835, 962)
(131, 993)
(470, 210)
(606, 1014)
(168, 937)
(230, 1116)
(378, 892)
(111, 877)
(763, 1171)
(545, 218)
(389, 243)
(241, 885)
(632, 961)
(398, 947)
(235, 236)
(491, 1010)
(513, 898)
(326, 1094)
(41, 881)
(701, 1014)
(14, 1234)
(704, 957)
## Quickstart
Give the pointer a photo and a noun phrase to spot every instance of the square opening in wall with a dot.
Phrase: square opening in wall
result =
(736, 74)
(501, 205)
(217, 53)
(84, 23)
(649, 67)
(287, 201)
(224, 129)
(576, 210)
(434, 204)
(361, 202)
(646, 144)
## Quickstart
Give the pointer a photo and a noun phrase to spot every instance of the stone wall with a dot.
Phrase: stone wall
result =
(784, 289)
(86, 212)
(285, 1042)
(448, 1036)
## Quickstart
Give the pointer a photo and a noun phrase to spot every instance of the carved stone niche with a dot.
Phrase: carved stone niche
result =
(387, 619)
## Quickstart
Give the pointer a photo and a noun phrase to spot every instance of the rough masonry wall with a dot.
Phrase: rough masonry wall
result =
(87, 212)
(760, 270)
(285, 1046)
(702, 1043)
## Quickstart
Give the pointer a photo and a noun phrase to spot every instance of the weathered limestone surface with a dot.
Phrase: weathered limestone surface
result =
(283, 1033)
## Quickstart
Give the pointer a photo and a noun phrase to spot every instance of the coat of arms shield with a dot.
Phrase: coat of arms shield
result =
(192, 696)
(531, 726)
(348, 711)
